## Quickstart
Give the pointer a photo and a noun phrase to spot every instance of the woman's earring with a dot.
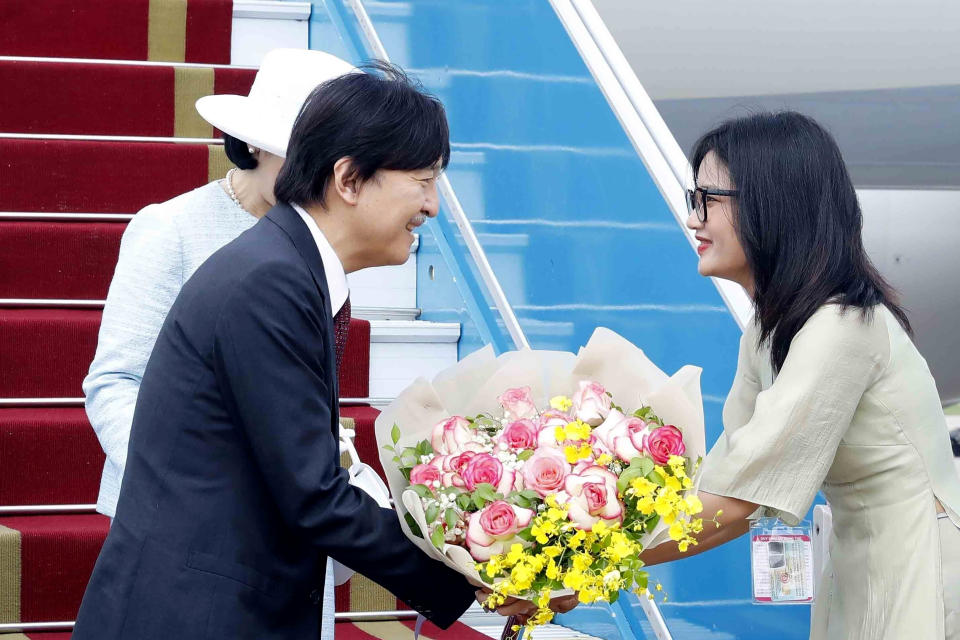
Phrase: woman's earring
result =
(252, 150)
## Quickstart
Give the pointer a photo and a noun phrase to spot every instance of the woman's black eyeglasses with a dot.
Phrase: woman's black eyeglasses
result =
(697, 200)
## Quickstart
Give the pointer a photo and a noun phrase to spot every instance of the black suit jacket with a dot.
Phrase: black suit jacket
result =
(233, 495)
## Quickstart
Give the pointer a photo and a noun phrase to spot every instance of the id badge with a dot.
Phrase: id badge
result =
(781, 559)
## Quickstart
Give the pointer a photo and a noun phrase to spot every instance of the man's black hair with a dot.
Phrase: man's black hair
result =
(381, 119)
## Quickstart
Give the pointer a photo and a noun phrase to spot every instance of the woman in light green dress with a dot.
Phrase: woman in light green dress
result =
(830, 393)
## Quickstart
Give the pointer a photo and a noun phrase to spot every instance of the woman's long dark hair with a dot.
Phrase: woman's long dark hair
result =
(798, 220)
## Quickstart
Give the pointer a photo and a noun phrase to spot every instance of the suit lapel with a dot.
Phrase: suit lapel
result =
(285, 217)
(289, 220)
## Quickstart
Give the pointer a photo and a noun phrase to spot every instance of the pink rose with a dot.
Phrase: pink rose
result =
(553, 418)
(623, 435)
(493, 529)
(518, 404)
(665, 442)
(599, 446)
(591, 496)
(459, 462)
(545, 471)
(607, 430)
(483, 467)
(549, 421)
(453, 435)
(519, 435)
(633, 444)
(449, 475)
(583, 465)
(425, 474)
(441, 462)
(591, 403)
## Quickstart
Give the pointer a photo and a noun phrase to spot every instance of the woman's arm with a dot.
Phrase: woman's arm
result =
(732, 515)
(146, 281)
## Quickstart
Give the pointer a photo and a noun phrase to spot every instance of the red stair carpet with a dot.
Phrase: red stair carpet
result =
(48, 455)
(84, 98)
(52, 555)
(57, 260)
(92, 176)
(161, 30)
(46, 353)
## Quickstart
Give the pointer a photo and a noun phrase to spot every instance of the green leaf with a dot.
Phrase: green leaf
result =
(525, 455)
(406, 473)
(388, 447)
(464, 501)
(525, 534)
(639, 467)
(628, 475)
(614, 597)
(530, 494)
(395, 434)
(515, 497)
(450, 517)
(422, 490)
(644, 464)
(432, 512)
(423, 449)
(656, 478)
(478, 501)
(488, 492)
(437, 538)
(642, 580)
(414, 527)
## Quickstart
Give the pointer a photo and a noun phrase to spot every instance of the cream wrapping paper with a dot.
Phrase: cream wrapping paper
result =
(472, 386)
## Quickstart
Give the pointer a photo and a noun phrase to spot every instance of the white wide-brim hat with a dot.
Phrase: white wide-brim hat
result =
(264, 119)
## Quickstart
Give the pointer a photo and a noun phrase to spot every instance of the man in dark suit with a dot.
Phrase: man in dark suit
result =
(233, 497)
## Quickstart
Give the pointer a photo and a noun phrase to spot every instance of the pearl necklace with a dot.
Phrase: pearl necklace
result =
(231, 192)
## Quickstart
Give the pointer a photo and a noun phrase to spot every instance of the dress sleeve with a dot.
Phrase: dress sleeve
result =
(777, 454)
(145, 283)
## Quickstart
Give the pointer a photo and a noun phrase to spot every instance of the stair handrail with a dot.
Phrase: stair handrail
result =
(453, 206)
(643, 124)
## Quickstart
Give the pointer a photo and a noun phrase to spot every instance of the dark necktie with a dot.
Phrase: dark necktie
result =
(341, 328)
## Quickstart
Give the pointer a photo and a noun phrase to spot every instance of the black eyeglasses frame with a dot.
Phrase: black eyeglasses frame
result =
(701, 211)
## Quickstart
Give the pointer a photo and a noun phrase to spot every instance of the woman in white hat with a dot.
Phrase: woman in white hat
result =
(165, 243)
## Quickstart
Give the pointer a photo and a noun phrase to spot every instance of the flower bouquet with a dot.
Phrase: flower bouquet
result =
(542, 473)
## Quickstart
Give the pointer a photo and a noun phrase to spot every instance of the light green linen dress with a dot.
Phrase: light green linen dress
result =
(853, 412)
